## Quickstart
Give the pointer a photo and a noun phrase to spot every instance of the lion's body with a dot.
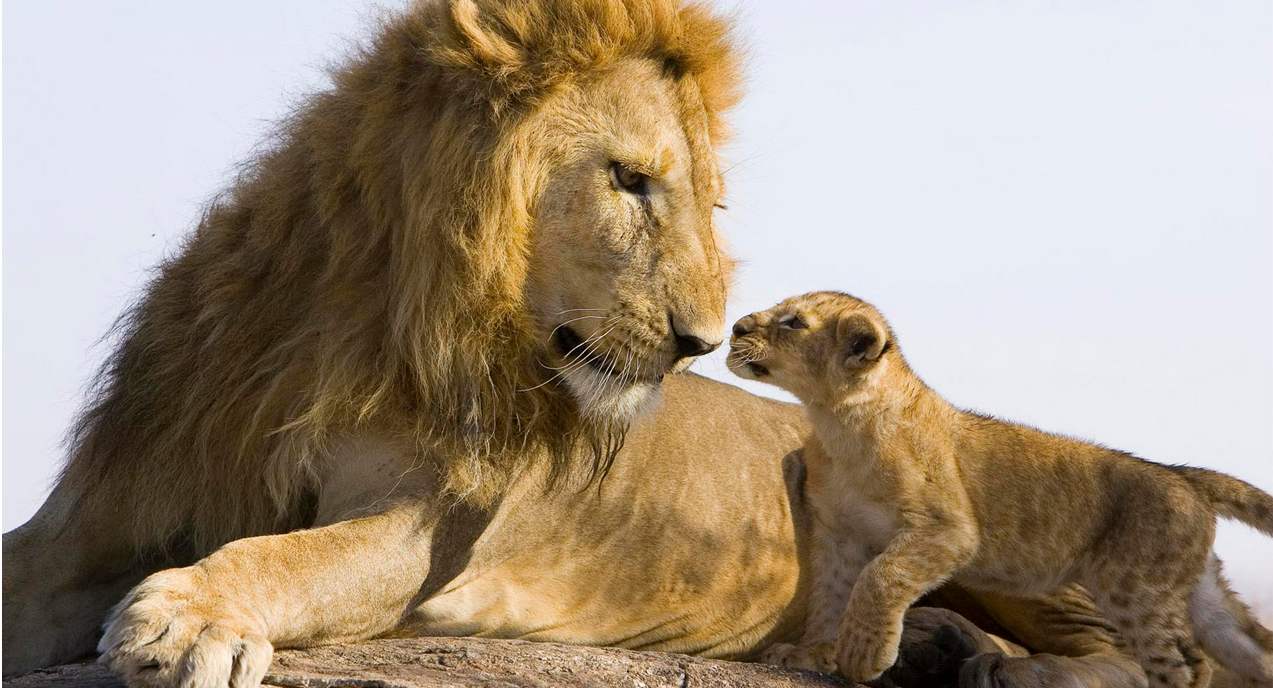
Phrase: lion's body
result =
(666, 553)
(363, 339)
(547, 568)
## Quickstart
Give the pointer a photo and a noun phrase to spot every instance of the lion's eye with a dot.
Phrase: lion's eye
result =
(629, 179)
(792, 322)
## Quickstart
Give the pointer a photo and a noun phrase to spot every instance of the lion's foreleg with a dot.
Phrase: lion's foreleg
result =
(217, 622)
(995, 670)
(1077, 647)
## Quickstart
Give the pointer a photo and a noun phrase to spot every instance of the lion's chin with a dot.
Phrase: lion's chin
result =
(602, 399)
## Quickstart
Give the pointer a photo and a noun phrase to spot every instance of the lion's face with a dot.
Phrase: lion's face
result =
(627, 282)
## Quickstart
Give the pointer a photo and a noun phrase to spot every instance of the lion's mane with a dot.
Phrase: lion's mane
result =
(366, 271)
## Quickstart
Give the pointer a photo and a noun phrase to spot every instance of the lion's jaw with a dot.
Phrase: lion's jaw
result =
(603, 400)
(626, 280)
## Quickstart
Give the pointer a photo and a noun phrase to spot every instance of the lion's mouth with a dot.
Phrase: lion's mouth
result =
(573, 348)
(567, 341)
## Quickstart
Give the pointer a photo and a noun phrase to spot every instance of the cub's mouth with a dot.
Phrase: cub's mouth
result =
(757, 369)
(742, 357)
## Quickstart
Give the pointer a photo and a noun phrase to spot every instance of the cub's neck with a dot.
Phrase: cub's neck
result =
(855, 425)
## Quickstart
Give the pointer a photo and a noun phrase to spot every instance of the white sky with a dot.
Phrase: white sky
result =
(1066, 209)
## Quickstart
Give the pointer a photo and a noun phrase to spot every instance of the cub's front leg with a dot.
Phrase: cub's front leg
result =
(835, 560)
(216, 623)
(918, 559)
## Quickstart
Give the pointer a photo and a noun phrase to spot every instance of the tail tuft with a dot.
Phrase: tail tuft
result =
(1231, 498)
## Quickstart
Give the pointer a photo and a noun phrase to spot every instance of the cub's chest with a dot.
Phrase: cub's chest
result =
(851, 507)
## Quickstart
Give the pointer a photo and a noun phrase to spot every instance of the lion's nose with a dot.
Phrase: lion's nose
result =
(744, 326)
(689, 343)
(688, 346)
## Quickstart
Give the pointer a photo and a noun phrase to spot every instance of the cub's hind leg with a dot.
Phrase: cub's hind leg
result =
(1143, 570)
(1155, 626)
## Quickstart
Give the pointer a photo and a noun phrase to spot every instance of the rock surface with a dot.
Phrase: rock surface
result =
(455, 662)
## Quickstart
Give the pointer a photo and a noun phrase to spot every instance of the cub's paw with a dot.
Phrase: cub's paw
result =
(165, 634)
(863, 654)
(814, 657)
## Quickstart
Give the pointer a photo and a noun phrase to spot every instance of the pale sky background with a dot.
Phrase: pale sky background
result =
(1066, 209)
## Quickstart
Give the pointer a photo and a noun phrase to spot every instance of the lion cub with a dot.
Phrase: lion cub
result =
(936, 493)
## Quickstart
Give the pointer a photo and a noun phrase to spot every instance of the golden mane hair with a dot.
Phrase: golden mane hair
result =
(366, 271)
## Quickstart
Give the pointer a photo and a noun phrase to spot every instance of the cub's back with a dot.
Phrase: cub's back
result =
(1035, 490)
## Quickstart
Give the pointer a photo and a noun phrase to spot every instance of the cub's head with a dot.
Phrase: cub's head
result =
(822, 346)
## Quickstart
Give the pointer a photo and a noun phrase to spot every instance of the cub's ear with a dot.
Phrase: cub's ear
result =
(859, 339)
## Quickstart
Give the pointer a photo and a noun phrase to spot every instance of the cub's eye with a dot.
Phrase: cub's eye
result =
(629, 179)
(792, 322)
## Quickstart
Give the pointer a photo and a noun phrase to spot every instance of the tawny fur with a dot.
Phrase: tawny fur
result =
(927, 492)
(358, 335)
(368, 271)
(395, 267)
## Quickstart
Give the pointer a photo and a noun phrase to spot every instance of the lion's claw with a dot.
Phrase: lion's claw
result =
(159, 636)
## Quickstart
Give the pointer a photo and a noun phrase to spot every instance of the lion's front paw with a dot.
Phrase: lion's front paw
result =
(813, 657)
(863, 654)
(163, 635)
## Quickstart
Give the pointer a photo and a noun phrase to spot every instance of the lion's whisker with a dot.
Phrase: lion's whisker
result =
(597, 384)
(627, 369)
(605, 380)
(614, 370)
(562, 370)
(567, 322)
(551, 378)
(584, 357)
(589, 352)
(579, 310)
(596, 335)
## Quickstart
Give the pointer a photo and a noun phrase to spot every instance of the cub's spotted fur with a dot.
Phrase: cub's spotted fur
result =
(939, 493)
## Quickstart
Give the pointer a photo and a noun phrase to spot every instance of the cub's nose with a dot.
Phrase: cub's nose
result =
(745, 325)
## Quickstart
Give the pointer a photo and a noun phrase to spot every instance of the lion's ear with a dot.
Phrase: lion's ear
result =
(859, 339)
(484, 43)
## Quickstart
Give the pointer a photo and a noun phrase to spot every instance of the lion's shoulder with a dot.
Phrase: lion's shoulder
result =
(693, 388)
(703, 405)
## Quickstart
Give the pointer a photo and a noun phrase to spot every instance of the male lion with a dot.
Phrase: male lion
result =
(386, 385)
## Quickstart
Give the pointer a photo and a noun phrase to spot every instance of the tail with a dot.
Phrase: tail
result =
(1230, 497)
(1227, 630)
